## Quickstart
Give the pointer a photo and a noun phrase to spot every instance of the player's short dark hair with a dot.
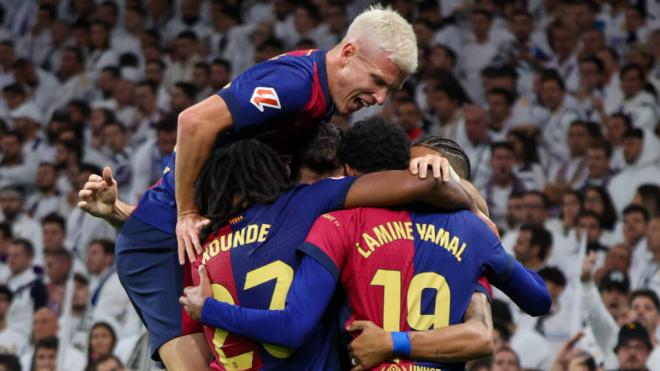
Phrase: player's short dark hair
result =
(25, 244)
(108, 246)
(10, 361)
(540, 237)
(550, 74)
(647, 293)
(630, 209)
(237, 176)
(451, 150)
(320, 156)
(375, 145)
(554, 275)
(54, 218)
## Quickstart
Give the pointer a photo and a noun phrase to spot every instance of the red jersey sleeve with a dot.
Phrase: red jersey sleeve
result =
(328, 242)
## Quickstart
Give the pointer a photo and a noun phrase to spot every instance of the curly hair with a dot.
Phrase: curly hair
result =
(375, 145)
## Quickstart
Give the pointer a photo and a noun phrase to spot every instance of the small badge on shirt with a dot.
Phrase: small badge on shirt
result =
(265, 97)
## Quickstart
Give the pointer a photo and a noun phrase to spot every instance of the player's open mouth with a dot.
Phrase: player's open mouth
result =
(360, 103)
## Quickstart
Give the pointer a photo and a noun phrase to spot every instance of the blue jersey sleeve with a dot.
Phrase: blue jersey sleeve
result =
(265, 92)
(524, 287)
(310, 293)
(326, 195)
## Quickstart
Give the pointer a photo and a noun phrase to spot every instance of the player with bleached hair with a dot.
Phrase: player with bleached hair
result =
(280, 102)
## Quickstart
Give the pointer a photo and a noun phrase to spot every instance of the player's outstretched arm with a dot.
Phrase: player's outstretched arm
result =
(469, 340)
(198, 128)
(308, 297)
(99, 198)
(400, 187)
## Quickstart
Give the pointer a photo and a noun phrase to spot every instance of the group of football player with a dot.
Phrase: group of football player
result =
(241, 256)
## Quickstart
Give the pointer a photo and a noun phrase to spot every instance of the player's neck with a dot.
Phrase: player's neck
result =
(331, 68)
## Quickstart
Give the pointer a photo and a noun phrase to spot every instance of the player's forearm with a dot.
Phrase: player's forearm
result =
(198, 127)
(472, 339)
(526, 288)
(120, 212)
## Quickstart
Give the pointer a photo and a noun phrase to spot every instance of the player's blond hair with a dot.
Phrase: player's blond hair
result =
(386, 30)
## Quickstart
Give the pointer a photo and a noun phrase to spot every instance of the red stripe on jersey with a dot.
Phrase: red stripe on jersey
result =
(483, 281)
(221, 275)
(316, 106)
(379, 282)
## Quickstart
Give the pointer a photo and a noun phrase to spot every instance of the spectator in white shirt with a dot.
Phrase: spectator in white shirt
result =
(116, 141)
(187, 20)
(599, 154)
(527, 168)
(53, 228)
(590, 95)
(101, 53)
(11, 341)
(221, 71)
(502, 183)
(77, 84)
(201, 80)
(650, 270)
(506, 359)
(571, 173)
(184, 58)
(15, 168)
(7, 57)
(478, 53)
(533, 246)
(102, 341)
(562, 36)
(48, 199)
(45, 339)
(11, 204)
(448, 98)
(29, 291)
(633, 348)
(182, 96)
(637, 102)
(617, 125)
(41, 86)
(641, 152)
(14, 97)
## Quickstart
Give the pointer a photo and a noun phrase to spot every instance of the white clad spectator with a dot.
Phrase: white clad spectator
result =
(556, 325)
(121, 40)
(611, 81)
(147, 113)
(617, 125)
(649, 277)
(28, 122)
(555, 130)
(53, 234)
(182, 96)
(592, 40)
(36, 43)
(571, 173)
(123, 95)
(645, 308)
(101, 53)
(29, 291)
(147, 162)
(448, 98)
(515, 216)
(81, 228)
(503, 181)
(307, 25)
(76, 83)
(506, 359)
(47, 199)
(154, 72)
(42, 353)
(115, 137)
(14, 97)
(159, 12)
(5, 241)
(108, 79)
(60, 39)
(477, 145)
(228, 32)
(598, 159)
(506, 77)
(598, 201)
(635, 223)
(478, 54)
(22, 225)
(258, 11)
(636, 26)
(564, 228)
(527, 167)
(633, 348)
(201, 79)
(409, 117)
(11, 341)
(102, 341)
(15, 168)
(533, 246)
(108, 297)
(641, 151)
(7, 58)
(59, 263)
(80, 318)
(186, 20)
(221, 71)
(41, 86)
(590, 95)
(639, 104)
(563, 42)
(184, 59)
(500, 111)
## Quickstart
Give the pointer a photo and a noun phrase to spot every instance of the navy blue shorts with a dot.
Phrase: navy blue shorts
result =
(148, 268)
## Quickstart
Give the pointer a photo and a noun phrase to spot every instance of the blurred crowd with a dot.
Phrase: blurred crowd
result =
(554, 101)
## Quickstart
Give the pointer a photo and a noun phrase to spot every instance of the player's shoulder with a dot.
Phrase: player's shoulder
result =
(288, 65)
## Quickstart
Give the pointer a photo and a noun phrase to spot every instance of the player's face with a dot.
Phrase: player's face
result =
(366, 77)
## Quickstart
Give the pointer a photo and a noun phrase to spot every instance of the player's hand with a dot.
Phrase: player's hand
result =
(439, 165)
(194, 296)
(188, 227)
(99, 194)
(372, 347)
(588, 266)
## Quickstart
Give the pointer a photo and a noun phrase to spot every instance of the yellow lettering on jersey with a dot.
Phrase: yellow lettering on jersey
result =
(409, 230)
(430, 233)
(249, 234)
(458, 255)
(400, 230)
(371, 242)
(363, 252)
(382, 235)
(332, 219)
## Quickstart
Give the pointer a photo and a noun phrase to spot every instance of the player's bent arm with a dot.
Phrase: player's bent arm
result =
(526, 288)
(120, 212)
(472, 339)
(198, 128)
(399, 187)
(310, 293)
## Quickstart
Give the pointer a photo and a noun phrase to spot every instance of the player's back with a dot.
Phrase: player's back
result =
(406, 271)
(251, 262)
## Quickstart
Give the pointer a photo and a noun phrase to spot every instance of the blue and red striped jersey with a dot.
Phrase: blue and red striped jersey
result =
(251, 262)
(407, 271)
(280, 102)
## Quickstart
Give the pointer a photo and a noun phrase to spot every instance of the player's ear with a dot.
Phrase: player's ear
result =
(347, 51)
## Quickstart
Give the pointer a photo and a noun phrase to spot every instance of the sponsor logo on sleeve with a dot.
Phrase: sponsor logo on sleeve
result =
(265, 97)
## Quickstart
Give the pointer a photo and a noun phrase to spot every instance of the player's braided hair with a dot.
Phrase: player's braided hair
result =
(450, 149)
(237, 176)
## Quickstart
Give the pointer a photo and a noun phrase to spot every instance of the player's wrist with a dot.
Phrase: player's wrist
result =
(401, 346)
